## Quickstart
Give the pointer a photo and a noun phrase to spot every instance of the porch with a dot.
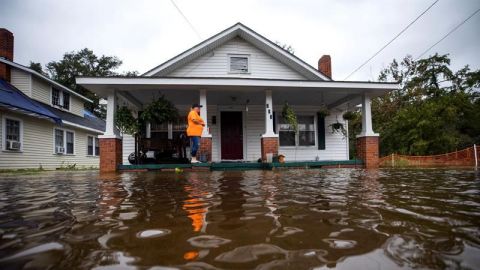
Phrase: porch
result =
(243, 118)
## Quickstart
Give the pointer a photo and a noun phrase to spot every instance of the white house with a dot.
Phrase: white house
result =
(43, 123)
(242, 79)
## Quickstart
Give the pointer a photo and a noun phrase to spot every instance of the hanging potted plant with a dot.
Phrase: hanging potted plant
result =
(323, 111)
(349, 116)
(339, 128)
(290, 117)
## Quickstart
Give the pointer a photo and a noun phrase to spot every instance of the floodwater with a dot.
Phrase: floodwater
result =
(292, 219)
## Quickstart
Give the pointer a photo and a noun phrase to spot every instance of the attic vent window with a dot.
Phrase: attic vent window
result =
(239, 64)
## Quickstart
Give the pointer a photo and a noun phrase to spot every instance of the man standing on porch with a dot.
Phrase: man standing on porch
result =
(194, 130)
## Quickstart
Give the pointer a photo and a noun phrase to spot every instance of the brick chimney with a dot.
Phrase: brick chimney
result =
(325, 65)
(6, 51)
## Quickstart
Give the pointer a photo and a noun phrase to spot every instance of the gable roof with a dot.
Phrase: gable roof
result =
(15, 100)
(250, 36)
(43, 77)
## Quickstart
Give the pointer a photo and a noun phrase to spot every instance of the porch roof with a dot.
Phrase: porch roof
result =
(333, 93)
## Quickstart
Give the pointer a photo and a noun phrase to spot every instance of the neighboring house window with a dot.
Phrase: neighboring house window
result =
(239, 64)
(56, 97)
(12, 134)
(93, 146)
(64, 142)
(60, 99)
(305, 135)
(66, 101)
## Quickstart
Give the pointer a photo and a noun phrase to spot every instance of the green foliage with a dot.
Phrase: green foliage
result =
(83, 63)
(349, 115)
(290, 117)
(37, 67)
(125, 122)
(323, 111)
(436, 110)
(159, 111)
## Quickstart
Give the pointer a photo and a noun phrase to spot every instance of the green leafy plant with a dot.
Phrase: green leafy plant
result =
(161, 110)
(290, 117)
(323, 111)
(125, 122)
(349, 116)
(339, 128)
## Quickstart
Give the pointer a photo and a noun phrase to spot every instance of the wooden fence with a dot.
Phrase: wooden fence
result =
(465, 157)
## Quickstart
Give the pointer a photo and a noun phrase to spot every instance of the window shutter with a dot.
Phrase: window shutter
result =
(239, 64)
(274, 123)
(321, 131)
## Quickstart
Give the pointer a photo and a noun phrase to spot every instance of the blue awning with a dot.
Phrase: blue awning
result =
(13, 99)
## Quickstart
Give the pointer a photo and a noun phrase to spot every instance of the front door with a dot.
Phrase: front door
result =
(231, 135)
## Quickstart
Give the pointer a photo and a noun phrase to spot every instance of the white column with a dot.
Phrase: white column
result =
(367, 129)
(269, 132)
(203, 112)
(148, 130)
(110, 129)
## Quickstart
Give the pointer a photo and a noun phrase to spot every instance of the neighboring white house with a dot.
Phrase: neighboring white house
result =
(242, 79)
(43, 123)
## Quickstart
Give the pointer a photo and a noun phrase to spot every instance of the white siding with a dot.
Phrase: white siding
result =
(41, 91)
(22, 80)
(215, 64)
(38, 148)
(76, 105)
(128, 147)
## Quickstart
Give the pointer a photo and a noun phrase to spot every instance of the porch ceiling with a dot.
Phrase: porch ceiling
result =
(237, 91)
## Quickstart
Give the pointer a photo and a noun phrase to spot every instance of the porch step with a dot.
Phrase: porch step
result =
(221, 166)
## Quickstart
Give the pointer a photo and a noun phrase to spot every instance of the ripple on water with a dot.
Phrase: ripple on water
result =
(208, 241)
(250, 253)
(153, 233)
(340, 244)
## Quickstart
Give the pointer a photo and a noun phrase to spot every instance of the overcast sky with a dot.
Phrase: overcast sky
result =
(146, 33)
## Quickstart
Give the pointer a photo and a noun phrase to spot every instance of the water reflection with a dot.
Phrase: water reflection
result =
(296, 219)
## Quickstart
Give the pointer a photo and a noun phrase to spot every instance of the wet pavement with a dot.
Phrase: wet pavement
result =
(285, 219)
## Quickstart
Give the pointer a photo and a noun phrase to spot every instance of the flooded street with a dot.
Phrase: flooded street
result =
(295, 219)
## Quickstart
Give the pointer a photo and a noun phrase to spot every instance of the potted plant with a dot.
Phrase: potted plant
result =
(349, 115)
(339, 128)
(323, 111)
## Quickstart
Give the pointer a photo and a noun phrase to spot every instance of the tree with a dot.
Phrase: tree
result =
(84, 63)
(436, 110)
(37, 67)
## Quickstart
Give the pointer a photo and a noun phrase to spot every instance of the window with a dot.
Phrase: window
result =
(69, 142)
(305, 135)
(93, 147)
(159, 131)
(239, 64)
(55, 97)
(12, 130)
(64, 142)
(66, 101)
(306, 130)
(286, 133)
(60, 99)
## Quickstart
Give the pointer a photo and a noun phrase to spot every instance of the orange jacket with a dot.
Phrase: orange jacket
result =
(193, 128)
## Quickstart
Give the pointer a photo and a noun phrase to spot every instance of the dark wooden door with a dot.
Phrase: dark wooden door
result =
(231, 135)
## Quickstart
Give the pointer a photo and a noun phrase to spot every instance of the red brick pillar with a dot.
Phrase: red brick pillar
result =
(205, 148)
(367, 151)
(269, 146)
(110, 154)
